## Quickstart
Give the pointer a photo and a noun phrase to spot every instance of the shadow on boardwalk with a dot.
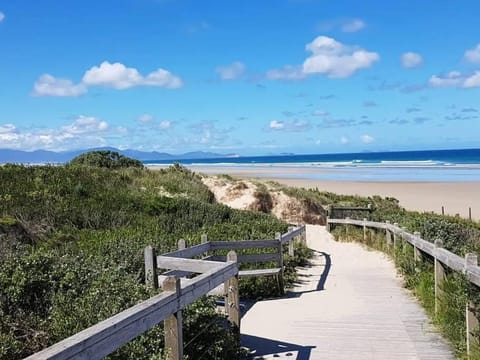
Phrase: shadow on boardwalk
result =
(261, 347)
(321, 281)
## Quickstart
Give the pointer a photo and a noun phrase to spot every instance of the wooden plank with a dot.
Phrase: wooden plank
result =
(281, 285)
(439, 275)
(173, 325)
(259, 272)
(243, 244)
(232, 301)
(248, 258)
(197, 266)
(292, 234)
(190, 252)
(471, 321)
(150, 267)
(108, 335)
(205, 282)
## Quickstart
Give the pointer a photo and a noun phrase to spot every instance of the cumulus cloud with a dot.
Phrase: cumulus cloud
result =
(473, 55)
(111, 75)
(411, 60)
(320, 113)
(232, 71)
(165, 124)
(84, 131)
(336, 60)
(353, 25)
(120, 77)
(456, 79)
(48, 85)
(290, 126)
(328, 57)
(367, 139)
(2, 16)
(344, 140)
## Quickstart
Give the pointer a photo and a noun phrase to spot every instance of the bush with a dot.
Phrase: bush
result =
(106, 159)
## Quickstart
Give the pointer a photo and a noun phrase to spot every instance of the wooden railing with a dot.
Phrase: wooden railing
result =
(442, 259)
(109, 335)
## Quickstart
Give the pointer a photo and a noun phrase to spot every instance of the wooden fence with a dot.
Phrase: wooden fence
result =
(211, 271)
(443, 260)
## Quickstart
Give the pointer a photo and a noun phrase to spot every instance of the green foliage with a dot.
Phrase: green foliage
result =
(105, 159)
(75, 251)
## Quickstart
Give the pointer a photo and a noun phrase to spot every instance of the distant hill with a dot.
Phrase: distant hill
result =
(43, 156)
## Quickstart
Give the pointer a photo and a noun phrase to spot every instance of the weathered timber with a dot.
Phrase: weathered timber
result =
(150, 267)
(243, 244)
(232, 301)
(471, 320)
(190, 251)
(281, 285)
(173, 324)
(196, 266)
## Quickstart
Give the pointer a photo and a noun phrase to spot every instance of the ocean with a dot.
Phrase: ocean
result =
(425, 165)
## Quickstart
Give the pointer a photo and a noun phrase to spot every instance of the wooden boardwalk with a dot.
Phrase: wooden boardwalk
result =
(349, 304)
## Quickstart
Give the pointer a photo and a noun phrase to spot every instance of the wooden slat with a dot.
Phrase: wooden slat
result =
(243, 244)
(103, 338)
(190, 251)
(197, 266)
(292, 234)
(248, 258)
(259, 272)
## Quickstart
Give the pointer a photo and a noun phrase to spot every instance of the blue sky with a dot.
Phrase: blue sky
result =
(246, 77)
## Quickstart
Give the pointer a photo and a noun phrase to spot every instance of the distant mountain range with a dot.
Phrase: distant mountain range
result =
(43, 156)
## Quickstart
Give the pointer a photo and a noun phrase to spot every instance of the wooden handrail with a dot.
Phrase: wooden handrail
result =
(447, 258)
(110, 334)
(442, 259)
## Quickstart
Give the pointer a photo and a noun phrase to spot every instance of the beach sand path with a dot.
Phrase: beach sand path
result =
(349, 304)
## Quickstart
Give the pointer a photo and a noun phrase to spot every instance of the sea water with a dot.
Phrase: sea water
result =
(430, 165)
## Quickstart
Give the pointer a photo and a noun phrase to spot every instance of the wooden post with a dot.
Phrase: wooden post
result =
(443, 210)
(364, 229)
(417, 254)
(150, 256)
(346, 229)
(182, 244)
(173, 324)
(395, 239)
(388, 234)
(328, 226)
(439, 276)
(204, 238)
(304, 236)
(470, 213)
(281, 285)
(232, 300)
(470, 317)
(291, 243)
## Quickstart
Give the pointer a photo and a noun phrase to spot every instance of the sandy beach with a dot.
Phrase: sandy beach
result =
(455, 197)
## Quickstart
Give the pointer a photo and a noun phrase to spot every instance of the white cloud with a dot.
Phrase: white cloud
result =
(472, 81)
(120, 77)
(85, 125)
(165, 124)
(344, 140)
(329, 57)
(145, 118)
(367, 139)
(83, 132)
(47, 85)
(288, 72)
(289, 126)
(276, 125)
(473, 55)
(2, 16)
(336, 60)
(232, 71)
(456, 79)
(353, 25)
(116, 76)
(411, 60)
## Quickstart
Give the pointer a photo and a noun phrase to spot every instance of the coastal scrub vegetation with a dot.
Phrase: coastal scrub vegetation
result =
(71, 251)
(107, 159)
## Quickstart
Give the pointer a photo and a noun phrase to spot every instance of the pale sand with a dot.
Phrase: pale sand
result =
(350, 304)
(456, 197)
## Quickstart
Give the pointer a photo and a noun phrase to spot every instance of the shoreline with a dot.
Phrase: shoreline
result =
(455, 196)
